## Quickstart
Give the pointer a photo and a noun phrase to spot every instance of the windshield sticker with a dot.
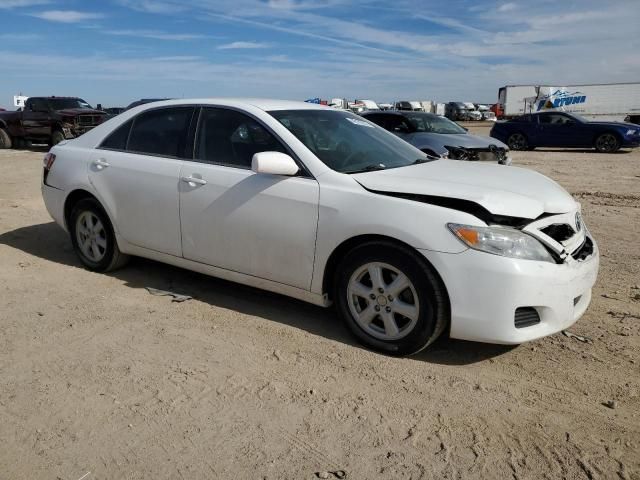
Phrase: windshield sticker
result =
(362, 123)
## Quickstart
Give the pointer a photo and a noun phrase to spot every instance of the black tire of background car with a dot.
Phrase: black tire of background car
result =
(432, 296)
(113, 258)
(56, 137)
(5, 139)
(609, 147)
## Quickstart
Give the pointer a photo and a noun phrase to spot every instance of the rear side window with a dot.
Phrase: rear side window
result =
(117, 140)
(231, 138)
(161, 131)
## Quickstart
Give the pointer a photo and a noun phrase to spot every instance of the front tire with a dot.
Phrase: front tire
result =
(93, 238)
(607, 143)
(56, 137)
(5, 139)
(390, 298)
(517, 141)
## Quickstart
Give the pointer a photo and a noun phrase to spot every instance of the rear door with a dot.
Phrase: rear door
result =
(257, 224)
(136, 173)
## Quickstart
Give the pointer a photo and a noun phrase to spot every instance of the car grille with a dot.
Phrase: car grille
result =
(564, 235)
(559, 231)
(89, 120)
(477, 154)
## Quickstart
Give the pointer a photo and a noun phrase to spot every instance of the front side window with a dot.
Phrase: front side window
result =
(162, 131)
(554, 119)
(231, 138)
(346, 142)
(398, 124)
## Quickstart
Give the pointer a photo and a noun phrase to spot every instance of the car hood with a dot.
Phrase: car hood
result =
(508, 191)
(465, 140)
(80, 111)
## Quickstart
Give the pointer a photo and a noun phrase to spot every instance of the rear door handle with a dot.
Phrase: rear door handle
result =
(194, 180)
(101, 163)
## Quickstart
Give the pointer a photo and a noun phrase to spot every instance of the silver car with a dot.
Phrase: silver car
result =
(440, 137)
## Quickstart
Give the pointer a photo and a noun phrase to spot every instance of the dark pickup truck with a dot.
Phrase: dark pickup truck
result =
(47, 120)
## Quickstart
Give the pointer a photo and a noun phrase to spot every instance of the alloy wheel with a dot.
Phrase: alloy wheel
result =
(383, 301)
(607, 143)
(91, 236)
(517, 141)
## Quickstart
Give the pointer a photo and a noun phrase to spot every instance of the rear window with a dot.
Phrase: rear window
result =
(162, 132)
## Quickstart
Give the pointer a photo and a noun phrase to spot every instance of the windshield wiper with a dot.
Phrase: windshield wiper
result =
(368, 168)
(423, 160)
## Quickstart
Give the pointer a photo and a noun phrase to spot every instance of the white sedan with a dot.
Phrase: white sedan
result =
(325, 206)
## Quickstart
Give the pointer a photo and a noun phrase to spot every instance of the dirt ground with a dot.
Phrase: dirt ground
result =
(101, 380)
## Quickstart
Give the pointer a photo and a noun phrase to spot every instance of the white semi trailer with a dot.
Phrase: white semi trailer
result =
(613, 101)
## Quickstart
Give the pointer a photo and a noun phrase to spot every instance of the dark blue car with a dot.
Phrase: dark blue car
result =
(565, 130)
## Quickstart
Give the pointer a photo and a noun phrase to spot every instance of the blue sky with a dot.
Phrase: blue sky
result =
(115, 51)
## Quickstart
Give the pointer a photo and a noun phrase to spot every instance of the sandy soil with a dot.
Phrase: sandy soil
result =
(101, 380)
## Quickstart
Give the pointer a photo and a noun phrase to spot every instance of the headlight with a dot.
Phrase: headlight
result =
(503, 241)
(631, 131)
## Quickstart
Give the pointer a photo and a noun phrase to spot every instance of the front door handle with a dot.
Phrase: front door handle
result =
(194, 180)
(101, 163)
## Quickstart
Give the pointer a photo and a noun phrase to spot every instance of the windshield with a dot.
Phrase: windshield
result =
(346, 142)
(427, 122)
(65, 103)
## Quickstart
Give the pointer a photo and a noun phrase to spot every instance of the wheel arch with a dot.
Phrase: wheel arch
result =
(73, 198)
(613, 132)
(341, 251)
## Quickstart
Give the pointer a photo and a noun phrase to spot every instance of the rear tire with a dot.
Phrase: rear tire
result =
(5, 139)
(390, 299)
(93, 238)
(518, 141)
(607, 143)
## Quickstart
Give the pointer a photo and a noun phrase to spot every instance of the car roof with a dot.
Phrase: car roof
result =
(261, 103)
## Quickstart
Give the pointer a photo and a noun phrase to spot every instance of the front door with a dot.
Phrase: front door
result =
(559, 130)
(232, 218)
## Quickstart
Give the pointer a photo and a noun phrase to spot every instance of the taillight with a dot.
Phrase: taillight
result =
(49, 158)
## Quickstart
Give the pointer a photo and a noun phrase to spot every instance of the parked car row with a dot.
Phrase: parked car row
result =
(325, 206)
(466, 111)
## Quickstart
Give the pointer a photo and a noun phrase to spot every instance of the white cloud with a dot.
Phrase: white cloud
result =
(6, 4)
(243, 45)
(155, 35)
(67, 16)
(507, 7)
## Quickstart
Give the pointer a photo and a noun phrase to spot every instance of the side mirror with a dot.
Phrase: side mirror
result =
(274, 163)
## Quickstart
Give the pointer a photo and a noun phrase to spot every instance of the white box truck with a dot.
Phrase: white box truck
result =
(613, 101)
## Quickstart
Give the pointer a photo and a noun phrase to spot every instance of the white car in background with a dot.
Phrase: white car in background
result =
(324, 206)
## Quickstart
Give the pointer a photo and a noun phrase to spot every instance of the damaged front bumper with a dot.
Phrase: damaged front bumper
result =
(494, 154)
